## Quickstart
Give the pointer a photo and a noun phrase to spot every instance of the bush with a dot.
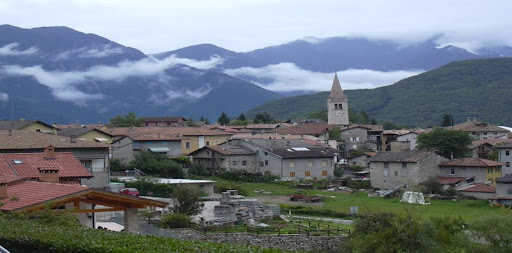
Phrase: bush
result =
(198, 170)
(175, 220)
(338, 171)
(356, 168)
(244, 176)
(145, 185)
(359, 184)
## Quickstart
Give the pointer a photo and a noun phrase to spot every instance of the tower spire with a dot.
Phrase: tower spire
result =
(336, 91)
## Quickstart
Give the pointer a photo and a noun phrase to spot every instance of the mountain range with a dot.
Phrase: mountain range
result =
(59, 74)
(471, 88)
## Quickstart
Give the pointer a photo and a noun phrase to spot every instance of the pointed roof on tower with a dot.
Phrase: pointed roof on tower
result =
(336, 91)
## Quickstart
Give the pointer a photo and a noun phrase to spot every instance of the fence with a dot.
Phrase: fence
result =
(307, 231)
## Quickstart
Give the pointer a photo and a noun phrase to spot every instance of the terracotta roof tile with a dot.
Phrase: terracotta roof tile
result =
(476, 126)
(451, 180)
(34, 140)
(171, 131)
(30, 193)
(66, 163)
(471, 162)
(229, 149)
(313, 128)
(403, 156)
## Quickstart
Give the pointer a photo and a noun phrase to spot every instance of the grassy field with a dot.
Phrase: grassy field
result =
(466, 209)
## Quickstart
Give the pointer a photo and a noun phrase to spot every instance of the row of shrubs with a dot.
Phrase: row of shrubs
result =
(23, 235)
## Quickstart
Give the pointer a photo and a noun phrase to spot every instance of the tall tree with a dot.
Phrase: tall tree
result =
(187, 200)
(263, 118)
(447, 120)
(223, 119)
(241, 117)
(449, 143)
(129, 120)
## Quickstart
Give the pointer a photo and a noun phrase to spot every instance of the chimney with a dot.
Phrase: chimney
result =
(72, 138)
(48, 174)
(49, 152)
(3, 189)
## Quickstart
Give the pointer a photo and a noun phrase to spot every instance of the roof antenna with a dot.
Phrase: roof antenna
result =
(12, 113)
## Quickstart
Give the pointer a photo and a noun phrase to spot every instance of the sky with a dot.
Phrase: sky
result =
(154, 26)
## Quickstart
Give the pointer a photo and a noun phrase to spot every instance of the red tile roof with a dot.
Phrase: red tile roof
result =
(471, 162)
(66, 163)
(314, 128)
(30, 193)
(451, 180)
(477, 187)
(169, 131)
(34, 140)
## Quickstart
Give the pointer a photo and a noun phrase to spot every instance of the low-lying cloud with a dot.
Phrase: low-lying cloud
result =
(85, 52)
(202, 65)
(4, 97)
(64, 84)
(11, 50)
(288, 77)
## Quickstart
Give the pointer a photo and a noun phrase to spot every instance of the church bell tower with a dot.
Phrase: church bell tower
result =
(337, 105)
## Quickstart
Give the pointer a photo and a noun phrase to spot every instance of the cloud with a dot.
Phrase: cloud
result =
(186, 94)
(312, 40)
(10, 50)
(289, 77)
(64, 84)
(84, 52)
(202, 65)
(4, 97)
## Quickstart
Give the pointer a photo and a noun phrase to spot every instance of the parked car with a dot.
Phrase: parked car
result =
(130, 191)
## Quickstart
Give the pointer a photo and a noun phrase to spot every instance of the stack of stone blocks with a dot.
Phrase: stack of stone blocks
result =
(234, 207)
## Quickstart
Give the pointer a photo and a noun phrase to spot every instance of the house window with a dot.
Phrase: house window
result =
(87, 163)
(207, 143)
(135, 145)
(386, 165)
(324, 173)
(507, 152)
(244, 163)
(404, 165)
(17, 162)
(495, 133)
(266, 162)
(497, 169)
(207, 152)
(452, 171)
(235, 163)
(324, 163)
(292, 174)
(485, 133)
(385, 172)
(310, 163)
(489, 170)
(507, 164)
(404, 172)
(187, 145)
(292, 164)
(307, 173)
(261, 164)
(357, 138)
(396, 173)
(266, 153)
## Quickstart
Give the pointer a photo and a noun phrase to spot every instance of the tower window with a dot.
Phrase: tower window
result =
(340, 106)
(335, 106)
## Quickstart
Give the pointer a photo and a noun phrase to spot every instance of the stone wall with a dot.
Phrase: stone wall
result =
(286, 242)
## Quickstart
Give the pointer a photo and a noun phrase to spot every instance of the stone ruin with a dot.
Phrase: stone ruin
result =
(235, 208)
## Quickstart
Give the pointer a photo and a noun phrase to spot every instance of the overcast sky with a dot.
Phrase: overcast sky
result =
(154, 26)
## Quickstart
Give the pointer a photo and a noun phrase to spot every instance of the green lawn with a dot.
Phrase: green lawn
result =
(466, 209)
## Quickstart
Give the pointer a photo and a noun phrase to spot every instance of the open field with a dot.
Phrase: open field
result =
(466, 209)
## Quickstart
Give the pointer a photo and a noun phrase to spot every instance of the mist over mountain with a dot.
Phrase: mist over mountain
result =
(59, 74)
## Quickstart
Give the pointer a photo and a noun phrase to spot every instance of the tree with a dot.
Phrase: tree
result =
(129, 120)
(157, 165)
(187, 200)
(335, 134)
(263, 118)
(223, 119)
(364, 118)
(319, 115)
(432, 185)
(447, 120)
(241, 117)
(117, 165)
(449, 143)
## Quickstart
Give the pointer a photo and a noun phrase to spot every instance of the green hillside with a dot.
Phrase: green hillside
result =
(473, 88)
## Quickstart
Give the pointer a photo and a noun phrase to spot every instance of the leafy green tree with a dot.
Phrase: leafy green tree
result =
(364, 118)
(239, 123)
(117, 165)
(157, 165)
(263, 118)
(242, 117)
(373, 122)
(176, 220)
(187, 200)
(223, 119)
(129, 120)
(432, 185)
(449, 143)
(447, 120)
(335, 134)
(388, 125)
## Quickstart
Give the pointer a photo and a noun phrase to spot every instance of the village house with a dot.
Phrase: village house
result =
(163, 121)
(503, 191)
(408, 168)
(505, 156)
(406, 141)
(316, 129)
(86, 134)
(481, 130)
(483, 148)
(93, 155)
(194, 138)
(291, 158)
(360, 159)
(389, 136)
(29, 125)
(226, 156)
(125, 148)
(482, 170)
(478, 190)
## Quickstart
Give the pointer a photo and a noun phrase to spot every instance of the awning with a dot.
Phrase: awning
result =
(159, 149)
(362, 172)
